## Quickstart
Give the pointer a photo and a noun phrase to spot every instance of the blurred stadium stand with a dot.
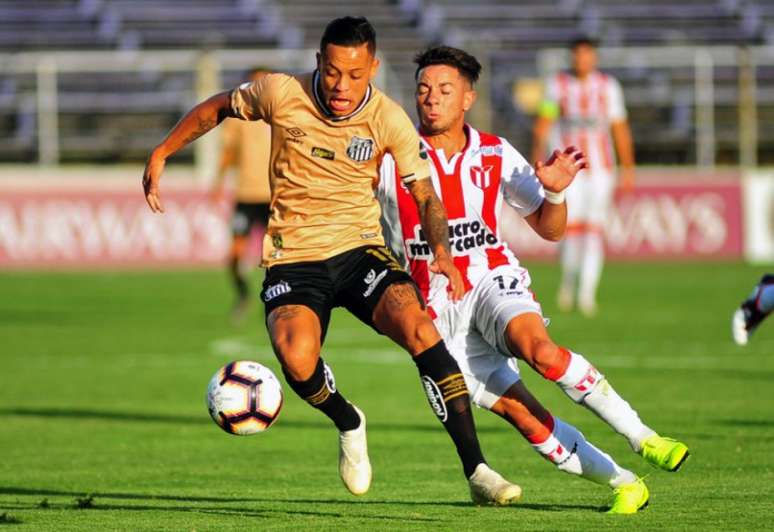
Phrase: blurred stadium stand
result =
(112, 116)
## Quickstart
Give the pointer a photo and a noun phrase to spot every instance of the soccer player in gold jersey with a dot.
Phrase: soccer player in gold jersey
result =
(324, 246)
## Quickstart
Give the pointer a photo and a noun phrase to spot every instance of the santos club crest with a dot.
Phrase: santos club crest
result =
(360, 149)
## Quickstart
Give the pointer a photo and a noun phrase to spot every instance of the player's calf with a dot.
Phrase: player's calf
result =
(447, 394)
(584, 384)
(320, 392)
(558, 442)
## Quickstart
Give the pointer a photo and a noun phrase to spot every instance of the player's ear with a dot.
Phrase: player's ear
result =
(468, 99)
(374, 68)
(319, 60)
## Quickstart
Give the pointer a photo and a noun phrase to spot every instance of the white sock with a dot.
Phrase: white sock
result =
(584, 384)
(593, 257)
(569, 451)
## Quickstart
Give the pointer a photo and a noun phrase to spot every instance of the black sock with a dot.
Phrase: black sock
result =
(320, 392)
(448, 396)
(240, 282)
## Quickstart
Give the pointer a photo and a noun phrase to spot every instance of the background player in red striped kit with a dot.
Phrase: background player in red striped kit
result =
(477, 174)
(583, 108)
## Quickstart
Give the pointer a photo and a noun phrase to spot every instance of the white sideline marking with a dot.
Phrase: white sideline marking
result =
(241, 347)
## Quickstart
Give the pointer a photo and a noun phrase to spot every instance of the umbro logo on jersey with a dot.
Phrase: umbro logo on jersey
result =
(481, 176)
(360, 149)
(296, 132)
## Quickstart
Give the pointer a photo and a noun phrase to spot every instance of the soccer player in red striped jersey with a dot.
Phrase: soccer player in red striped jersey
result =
(477, 174)
(583, 108)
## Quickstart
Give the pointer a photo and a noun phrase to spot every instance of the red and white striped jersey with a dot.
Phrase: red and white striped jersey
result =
(473, 185)
(584, 111)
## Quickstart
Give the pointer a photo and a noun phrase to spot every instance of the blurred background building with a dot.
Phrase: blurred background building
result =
(99, 82)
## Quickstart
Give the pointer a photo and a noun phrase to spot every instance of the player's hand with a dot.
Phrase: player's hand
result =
(150, 182)
(560, 169)
(445, 266)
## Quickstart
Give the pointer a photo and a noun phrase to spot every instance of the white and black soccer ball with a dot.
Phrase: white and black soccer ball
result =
(244, 397)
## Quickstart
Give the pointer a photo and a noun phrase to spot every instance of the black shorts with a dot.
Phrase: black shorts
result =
(246, 215)
(355, 280)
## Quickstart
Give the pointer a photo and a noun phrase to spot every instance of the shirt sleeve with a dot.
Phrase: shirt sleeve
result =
(403, 143)
(521, 188)
(255, 100)
(616, 108)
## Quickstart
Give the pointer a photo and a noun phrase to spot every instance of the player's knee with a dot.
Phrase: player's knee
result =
(421, 333)
(289, 344)
(296, 352)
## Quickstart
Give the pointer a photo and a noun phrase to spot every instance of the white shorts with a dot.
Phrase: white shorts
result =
(589, 197)
(474, 331)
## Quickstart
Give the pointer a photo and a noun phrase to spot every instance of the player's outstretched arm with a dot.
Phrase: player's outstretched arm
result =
(193, 125)
(556, 174)
(622, 138)
(435, 225)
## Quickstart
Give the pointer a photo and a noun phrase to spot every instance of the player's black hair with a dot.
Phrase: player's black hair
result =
(466, 64)
(349, 31)
(583, 40)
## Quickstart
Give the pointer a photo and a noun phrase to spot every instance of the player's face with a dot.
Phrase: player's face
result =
(345, 72)
(584, 60)
(443, 96)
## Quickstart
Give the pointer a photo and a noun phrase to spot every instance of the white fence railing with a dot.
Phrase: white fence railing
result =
(207, 69)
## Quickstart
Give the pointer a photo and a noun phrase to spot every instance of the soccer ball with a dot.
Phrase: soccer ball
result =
(244, 397)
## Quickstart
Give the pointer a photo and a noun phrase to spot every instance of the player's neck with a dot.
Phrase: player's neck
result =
(450, 141)
(583, 76)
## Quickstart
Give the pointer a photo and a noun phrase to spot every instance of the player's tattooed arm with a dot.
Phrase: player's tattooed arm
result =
(432, 215)
(193, 125)
(435, 226)
(196, 123)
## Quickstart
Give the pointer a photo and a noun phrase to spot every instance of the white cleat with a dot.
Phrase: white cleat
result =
(487, 486)
(739, 327)
(354, 466)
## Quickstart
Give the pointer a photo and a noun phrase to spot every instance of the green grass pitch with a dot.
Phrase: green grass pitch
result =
(103, 424)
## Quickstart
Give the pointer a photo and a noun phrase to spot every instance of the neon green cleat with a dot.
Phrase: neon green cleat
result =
(664, 453)
(629, 498)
